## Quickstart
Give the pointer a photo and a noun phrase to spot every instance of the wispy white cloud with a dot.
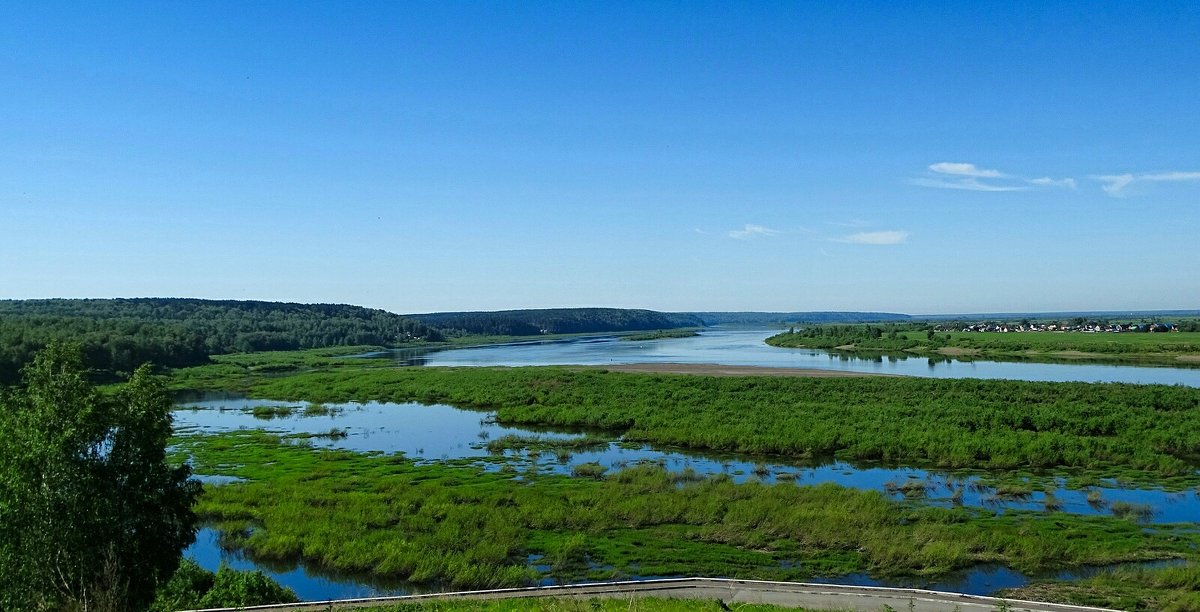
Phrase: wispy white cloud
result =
(1171, 176)
(1115, 184)
(849, 223)
(969, 177)
(881, 237)
(969, 184)
(752, 231)
(963, 169)
(1046, 181)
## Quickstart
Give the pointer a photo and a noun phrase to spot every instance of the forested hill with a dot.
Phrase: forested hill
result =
(555, 321)
(120, 334)
(787, 318)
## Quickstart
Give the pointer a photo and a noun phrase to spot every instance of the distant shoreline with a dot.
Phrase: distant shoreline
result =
(713, 369)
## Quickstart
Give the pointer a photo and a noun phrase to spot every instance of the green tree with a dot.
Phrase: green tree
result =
(194, 587)
(91, 515)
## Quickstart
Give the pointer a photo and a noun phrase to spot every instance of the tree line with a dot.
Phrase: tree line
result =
(555, 321)
(118, 335)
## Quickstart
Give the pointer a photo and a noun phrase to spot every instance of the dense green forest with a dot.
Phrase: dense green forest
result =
(117, 335)
(555, 321)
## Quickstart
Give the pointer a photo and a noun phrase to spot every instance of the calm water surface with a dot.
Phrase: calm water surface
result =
(745, 347)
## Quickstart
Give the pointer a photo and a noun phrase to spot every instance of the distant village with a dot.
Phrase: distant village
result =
(1087, 327)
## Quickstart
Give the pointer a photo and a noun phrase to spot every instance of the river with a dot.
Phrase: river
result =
(745, 347)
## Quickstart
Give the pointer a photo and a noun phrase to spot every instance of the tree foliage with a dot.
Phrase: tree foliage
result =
(193, 587)
(91, 515)
(120, 334)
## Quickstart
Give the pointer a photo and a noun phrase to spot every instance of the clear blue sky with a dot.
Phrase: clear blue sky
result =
(911, 157)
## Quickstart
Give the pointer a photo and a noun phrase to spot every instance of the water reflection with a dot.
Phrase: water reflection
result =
(309, 584)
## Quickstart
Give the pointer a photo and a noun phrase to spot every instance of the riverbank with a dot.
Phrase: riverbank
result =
(1180, 349)
(712, 369)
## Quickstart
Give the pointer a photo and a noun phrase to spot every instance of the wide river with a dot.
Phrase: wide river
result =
(745, 347)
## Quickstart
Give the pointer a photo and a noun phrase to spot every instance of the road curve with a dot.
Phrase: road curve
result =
(791, 594)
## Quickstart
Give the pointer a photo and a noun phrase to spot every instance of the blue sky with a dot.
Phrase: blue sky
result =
(921, 158)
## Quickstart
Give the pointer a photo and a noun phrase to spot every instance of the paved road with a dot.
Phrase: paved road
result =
(792, 594)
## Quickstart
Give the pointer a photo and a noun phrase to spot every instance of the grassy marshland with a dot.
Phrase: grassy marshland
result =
(459, 525)
(1147, 433)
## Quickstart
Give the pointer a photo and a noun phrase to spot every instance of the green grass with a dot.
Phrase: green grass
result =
(267, 413)
(1169, 589)
(1139, 433)
(1174, 342)
(547, 444)
(457, 524)
(1133, 348)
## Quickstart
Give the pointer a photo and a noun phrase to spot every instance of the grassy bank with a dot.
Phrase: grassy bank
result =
(1138, 432)
(464, 526)
(1170, 589)
(1176, 349)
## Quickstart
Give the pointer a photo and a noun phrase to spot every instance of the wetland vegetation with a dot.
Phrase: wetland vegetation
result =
(1148, 433)
(461, 525)
(1167, 589)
